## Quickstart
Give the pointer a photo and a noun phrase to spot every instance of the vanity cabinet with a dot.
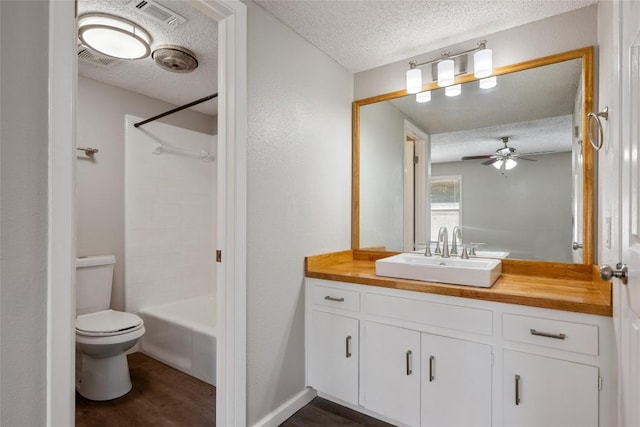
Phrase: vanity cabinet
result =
(542, 391)
(390, 366)
(421, 359)
(456, 374)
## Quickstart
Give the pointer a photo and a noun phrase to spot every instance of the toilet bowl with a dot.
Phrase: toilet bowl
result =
(102, 339)
(103, 335)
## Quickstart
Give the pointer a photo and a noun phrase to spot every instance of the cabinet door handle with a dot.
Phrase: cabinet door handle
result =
(517, 389)
(431, 368)
(547, 334)
(348, 346)
(409, 370)
(330, 298)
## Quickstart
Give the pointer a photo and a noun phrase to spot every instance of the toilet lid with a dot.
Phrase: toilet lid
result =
(107, 322)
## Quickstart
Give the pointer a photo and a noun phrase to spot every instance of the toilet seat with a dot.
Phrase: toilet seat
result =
(107, 323)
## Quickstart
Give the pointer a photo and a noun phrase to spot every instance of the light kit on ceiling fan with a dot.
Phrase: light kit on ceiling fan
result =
(445, 68)
(504, 158)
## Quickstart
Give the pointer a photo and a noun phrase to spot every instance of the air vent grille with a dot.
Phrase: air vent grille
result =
(91, 57)
(158, 12)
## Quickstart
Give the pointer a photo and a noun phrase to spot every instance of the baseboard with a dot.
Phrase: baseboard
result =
(287, 409)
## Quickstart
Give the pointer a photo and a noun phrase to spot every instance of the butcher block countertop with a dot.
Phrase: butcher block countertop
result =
(569, 287)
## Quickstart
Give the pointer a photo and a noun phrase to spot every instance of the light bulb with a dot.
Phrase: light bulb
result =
(446, 74)
(423, 97)
(510, 164)
(497, 164)
(488, 83)
(454, 90)
(414, 80)
(483, 63)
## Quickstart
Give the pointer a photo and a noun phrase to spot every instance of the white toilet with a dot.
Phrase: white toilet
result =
(102, 335)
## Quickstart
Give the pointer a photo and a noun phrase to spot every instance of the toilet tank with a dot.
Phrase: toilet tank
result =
(94, 276)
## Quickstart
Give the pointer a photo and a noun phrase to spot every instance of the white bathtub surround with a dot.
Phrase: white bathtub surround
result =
(183, 335)
(170, 197)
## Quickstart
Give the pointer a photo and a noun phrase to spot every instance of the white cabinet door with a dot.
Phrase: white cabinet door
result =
(456, 374)
(541, 391)
(391, 372)
(334, 356)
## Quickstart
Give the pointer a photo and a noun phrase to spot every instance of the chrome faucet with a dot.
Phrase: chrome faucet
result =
(457, 233)
(442, 237)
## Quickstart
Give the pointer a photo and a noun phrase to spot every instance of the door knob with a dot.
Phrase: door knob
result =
(575, 246)
(607, 273)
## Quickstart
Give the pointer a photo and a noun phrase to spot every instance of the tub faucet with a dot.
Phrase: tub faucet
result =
(457, 233)
(442, 237)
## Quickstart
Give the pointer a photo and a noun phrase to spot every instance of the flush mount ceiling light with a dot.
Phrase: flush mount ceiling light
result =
(447, 67)
(114, 36)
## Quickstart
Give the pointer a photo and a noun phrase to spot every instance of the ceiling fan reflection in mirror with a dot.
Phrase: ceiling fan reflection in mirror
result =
(504, 158)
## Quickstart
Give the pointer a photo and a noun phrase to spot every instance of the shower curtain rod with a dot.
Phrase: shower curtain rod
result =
(175, 110)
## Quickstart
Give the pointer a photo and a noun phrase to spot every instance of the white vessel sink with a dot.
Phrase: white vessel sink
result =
(470, 272)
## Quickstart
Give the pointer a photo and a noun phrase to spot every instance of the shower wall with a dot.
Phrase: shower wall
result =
(100, 182)
(170, 196)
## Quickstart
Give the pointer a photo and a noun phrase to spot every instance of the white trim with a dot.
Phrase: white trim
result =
(62, 215)
(287, 409)
(232, 201)
(231, 395)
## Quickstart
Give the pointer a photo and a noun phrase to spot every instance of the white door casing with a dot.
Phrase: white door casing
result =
(231, 16)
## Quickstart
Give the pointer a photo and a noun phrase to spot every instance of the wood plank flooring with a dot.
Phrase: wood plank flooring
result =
(161, 397)
(165, 397)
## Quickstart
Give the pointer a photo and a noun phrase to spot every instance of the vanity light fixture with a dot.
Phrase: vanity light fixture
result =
(423, 97)
(482, 61)
(114, 36)
(488, 83)
(453, 90)
(445, 66)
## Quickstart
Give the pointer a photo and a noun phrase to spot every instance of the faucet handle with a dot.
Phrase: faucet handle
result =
(465, 254)
(474, 246)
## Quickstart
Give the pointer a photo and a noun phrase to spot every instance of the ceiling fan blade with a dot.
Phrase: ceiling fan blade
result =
(524, 158)
(487, 156)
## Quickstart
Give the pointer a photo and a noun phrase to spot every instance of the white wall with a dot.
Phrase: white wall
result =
(299, 195)
(100, 183)
(169, 215)
(525, 212)
(556, 34)
(382, 176)
(23, 211)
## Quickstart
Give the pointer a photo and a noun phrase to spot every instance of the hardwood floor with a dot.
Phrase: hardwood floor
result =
(323, 413)
(161, 397)
(165, 397)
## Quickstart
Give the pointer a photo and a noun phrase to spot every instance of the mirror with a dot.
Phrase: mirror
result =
(510, 165)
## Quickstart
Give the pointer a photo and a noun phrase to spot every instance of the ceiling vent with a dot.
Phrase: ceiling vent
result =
(92, 57)
(158, 12)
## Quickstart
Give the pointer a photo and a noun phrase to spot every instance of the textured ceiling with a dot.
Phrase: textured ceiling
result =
(364, 34)
(199, 34)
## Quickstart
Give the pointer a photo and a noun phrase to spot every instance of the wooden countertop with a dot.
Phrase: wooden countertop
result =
(568, 287)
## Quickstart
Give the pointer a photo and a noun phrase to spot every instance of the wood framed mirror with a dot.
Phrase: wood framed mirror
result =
(420, 166)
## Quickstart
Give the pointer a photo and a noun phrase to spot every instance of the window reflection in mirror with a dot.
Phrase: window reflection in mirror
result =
(511, 154)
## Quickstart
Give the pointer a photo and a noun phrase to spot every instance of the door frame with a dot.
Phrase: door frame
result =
(231, 16)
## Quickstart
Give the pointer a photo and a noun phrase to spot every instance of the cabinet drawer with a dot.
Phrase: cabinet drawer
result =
(448, 316)
(336, 298)
(577, 337)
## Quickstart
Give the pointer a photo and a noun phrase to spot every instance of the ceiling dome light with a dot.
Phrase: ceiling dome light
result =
(488, 83)
(446, 74)
(483, 61)
(414, 80)
(114, 36)
(454, 90)
(423, 97)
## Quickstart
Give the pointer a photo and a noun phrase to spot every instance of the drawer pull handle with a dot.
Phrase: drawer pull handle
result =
(517, 389)
(409, 370)
(432, 376)
(548, 335)
(348, 346)
(330, 298)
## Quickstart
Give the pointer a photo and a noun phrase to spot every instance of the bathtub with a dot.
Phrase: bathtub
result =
(182, 334)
